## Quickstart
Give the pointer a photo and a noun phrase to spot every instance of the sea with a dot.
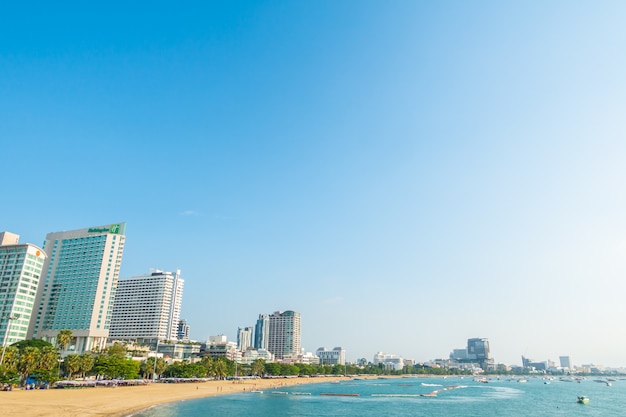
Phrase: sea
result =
(404, 397)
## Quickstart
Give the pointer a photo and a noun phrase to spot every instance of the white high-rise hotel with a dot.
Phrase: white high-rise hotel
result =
(20, 270)
(284, 333)
(147, 307)
(79, 281)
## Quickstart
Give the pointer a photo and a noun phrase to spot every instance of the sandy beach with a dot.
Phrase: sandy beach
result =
(123, 401)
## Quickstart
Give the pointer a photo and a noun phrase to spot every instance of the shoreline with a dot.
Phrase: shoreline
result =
(129, 401)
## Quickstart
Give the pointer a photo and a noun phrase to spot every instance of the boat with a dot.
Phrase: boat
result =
(582, 400)
(280, 392)
(256, 391)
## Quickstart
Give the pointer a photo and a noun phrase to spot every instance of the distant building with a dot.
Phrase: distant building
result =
(261, 332)
(478, 351)
(21, 266)
(251, 355)
(566, 362)
(147, 307)
(389, 361)
(244, 338)
(337, 356)
(79, 283)
(284, 333)
(219, 345)
(182, 332)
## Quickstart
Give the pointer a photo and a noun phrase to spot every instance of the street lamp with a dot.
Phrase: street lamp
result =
(10, 318)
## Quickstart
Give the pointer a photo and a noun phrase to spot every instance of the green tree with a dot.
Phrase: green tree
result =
(48, 360)
(64, 338)
(11, 358)
(220, 368)
(272, 368)
(38, 343)
(86, 363)
(258, 367)
(71, 365)
(117, 349)
(147, 368)
(207, 362)
(28, 362)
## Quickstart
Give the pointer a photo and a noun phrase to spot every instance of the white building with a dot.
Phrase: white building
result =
(389, 361)
(20, 269)
(284, 334)
(251, 355)
(147, 307)
(244, 338)
(79, 281)
(337, 356)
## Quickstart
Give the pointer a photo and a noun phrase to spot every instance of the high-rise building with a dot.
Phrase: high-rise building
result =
(566, 362)
(20, 270)
(79, 281)
(183, 330)
(284, 333)
(244, 338)
(147, 307)
(478, 351)
(261, 332)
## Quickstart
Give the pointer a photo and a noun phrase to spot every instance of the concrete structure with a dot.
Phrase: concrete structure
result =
(20, 270)
(261, 332)
(178, 351)
(244, 338)
(337, 356)
(183, 330)
(79, 282)
(147, 307)
(284, 334)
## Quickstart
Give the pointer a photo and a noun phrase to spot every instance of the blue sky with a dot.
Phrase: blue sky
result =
(405, 174)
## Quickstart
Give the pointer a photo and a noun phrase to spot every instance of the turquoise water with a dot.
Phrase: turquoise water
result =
(401, 397)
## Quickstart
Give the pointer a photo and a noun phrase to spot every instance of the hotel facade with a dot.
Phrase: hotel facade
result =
(21, 266)
(78, 285)
(147, 307)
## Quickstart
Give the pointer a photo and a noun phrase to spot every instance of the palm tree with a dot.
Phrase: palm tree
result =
(48, 358)
(71, 364)
(86, 363)
(219, 368)
(11, 357)
(28, 362)
(64, 338)
(207, 362)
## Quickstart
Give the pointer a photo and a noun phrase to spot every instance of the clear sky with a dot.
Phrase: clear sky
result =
(405, 174)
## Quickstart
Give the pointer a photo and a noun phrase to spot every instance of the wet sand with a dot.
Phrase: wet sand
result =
(124, 401)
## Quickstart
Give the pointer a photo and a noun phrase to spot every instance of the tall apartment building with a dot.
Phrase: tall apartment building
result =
(244, 338)
(20, 271)
(183, 330)
(284, 333)
(261, 332)
(147, 307)
(79, 281)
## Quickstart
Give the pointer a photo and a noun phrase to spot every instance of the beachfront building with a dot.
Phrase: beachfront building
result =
(244, 338)
(219, 345)
(337, 356)
(147, 307)
(302, 357)
(251, 355)
(261, 332)
(389, 361)
(284, 333)
(79, 277)
(21, 266)
(183, 330)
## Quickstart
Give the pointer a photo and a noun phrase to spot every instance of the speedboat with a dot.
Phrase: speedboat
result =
(582, 400)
